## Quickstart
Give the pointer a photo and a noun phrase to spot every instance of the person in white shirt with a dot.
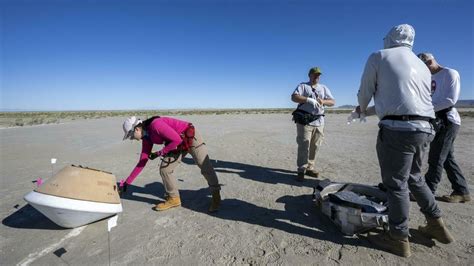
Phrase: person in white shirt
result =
(311, 97)
(445, 90)
(399, 83)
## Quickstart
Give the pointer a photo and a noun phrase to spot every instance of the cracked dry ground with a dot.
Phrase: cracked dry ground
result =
(266, 216)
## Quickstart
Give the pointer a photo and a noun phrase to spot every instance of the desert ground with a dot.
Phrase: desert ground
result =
(266, 216)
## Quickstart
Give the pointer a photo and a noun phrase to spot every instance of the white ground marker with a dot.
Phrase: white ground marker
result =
(111, 223)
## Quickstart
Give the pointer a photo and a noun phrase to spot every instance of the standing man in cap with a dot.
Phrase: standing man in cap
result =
(311, 97)
(179, 138)
(399, 83)
(445, 89)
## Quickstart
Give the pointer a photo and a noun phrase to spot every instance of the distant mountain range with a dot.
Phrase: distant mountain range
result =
(465, 104)
(347, 106)
(459, 104)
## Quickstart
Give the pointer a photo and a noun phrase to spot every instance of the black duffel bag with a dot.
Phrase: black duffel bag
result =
(304, 118)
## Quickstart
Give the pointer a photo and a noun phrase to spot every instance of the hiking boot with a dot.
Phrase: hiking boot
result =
(395, 245)
(436, 229)
(170, 202)
(300, 177)
(456, 198)
(312, 173)
(215, 201)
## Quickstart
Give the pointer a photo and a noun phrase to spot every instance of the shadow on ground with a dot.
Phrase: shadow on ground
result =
(259, 173)
(299, 217)
(418, 238)
(136, 193)
(29, 218)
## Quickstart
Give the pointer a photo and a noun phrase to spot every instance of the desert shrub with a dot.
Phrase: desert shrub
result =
(36, 121)
(52, 121)
(19, 122)
(465, 114)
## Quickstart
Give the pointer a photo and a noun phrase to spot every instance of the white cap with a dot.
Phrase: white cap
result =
(129, 126)
(425, 57)
(401, 35)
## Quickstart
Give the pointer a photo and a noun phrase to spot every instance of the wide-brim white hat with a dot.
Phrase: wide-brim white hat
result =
(129, 125)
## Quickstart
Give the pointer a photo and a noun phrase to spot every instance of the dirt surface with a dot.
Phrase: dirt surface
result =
(266, 216)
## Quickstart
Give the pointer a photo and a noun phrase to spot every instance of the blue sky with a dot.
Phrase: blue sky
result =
(93, 55)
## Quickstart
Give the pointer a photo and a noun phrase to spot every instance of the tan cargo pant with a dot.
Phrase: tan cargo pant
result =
(198, 151)
(309, 140)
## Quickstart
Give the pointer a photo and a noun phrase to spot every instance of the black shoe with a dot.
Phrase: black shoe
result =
(300, 177)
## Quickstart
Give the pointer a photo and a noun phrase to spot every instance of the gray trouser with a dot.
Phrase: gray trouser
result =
(198, 151)
(400, 156)
(309, 140)
(442, 155)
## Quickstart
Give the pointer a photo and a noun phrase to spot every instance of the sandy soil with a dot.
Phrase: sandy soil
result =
(266, 216)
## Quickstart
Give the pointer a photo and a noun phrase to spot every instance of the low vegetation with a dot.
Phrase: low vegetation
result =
(19, 119)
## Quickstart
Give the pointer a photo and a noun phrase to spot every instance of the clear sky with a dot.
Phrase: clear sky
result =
(92, 55)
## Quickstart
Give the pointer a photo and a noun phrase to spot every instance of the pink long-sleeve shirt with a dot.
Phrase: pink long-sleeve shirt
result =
(163, 130)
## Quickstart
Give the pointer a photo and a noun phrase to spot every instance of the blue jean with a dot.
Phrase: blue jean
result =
(400, 156)
(442, 156)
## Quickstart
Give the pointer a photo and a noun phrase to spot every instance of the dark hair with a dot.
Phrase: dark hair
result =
(147, 122)
(139, 125)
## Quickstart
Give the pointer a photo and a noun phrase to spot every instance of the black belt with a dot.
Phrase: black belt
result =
(407, 118)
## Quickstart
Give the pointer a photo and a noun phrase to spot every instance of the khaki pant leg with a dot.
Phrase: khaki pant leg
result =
(199, 153)
(303, 137)
(316, 141)
(169, 163)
